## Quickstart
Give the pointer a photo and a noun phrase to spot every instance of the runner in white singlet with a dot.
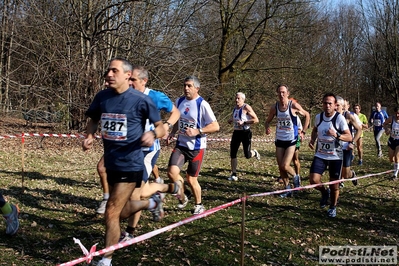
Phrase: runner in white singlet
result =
(330, 130)
(285, 112)
(391, 126)
(242, 119)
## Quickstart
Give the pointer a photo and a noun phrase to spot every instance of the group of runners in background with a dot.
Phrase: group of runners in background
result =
(334, 136)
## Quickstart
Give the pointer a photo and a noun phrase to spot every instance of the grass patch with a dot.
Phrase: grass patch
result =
(62, 190)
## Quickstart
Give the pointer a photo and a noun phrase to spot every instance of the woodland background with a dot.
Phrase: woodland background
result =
(53, 53)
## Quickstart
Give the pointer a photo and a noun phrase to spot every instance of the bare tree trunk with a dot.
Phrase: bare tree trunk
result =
(4, 23)
(7, 102)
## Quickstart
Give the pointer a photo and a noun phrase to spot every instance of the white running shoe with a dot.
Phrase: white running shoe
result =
(12, 221)
(160, 180)
(125, 236)
(332, 212)
(199, 208)
(99, 263)
(297, 181)
(183, 204)
(232, 178)
(180, 192)
(101, 208)
(257, 155)
(157, 212)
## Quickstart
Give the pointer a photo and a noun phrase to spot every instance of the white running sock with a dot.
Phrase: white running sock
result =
(106, 261)
(395, 169)
(152, 204)
(106, 196)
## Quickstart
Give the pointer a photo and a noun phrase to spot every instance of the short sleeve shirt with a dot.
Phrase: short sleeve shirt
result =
(163, 103)
(123, 117)
(195, 113)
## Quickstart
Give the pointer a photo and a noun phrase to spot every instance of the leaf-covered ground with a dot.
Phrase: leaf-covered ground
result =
(57, 189)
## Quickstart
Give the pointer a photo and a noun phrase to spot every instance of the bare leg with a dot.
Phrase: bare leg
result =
(155, 172)
(359, 145)
(315, 178)
(136, 196)
(103, 175)
(174, 174)
(233, 165)
(377, 137)
(195, 187)
(119, 196)
(284, 158)
(346, 172)
(151, 188)
(104, 184)
(334, 190)
(146, 191)
(395, 161)
(297, 163)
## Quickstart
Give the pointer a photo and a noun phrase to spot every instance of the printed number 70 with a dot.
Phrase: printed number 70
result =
(325, 146)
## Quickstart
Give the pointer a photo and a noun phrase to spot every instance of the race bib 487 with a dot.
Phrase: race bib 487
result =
(114, 126)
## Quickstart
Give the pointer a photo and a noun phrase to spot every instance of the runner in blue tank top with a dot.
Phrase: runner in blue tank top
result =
(377, 119)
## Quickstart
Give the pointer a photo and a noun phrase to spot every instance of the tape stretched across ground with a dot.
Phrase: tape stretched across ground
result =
(99, 137)
(89, 256)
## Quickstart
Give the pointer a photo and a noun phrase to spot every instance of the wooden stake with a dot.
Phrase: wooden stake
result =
(23, 160)
(243, 200)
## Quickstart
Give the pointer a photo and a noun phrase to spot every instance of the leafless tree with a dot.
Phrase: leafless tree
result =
(54, 52)
(382, 21)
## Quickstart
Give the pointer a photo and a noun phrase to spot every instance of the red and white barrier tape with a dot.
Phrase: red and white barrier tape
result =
(42, 135)
(90, 255)
(99, 137)
(316, 185)
(148, 235)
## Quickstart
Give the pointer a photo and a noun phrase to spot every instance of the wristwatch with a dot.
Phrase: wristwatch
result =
(169, 124)
(200, 131)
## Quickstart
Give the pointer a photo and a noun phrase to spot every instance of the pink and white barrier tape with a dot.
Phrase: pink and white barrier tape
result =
(89, 255)
(99, 137)
(316, 185)
(148, 235)
(42, 135)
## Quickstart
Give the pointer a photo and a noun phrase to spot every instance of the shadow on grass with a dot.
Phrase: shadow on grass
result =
(54, 198)
(59, 180)
(48, 236)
